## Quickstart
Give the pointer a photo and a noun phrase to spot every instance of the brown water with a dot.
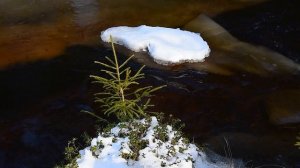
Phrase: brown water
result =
(34, 30)
(46, 53)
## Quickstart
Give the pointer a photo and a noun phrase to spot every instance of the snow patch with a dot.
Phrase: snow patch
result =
(165, 45)
(109, 149)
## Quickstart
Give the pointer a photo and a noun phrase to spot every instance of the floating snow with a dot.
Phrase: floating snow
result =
(145, 143)
(165, 45)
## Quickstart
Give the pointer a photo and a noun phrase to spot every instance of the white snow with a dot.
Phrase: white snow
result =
(171, 154)
(165, 45)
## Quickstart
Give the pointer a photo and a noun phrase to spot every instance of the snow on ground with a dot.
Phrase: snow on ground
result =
(156, 146)
(165, 45)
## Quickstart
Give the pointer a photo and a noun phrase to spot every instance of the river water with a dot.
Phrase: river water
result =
(46, 54)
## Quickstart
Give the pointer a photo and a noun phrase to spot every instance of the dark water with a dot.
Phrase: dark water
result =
(41, 99)
(275, 26)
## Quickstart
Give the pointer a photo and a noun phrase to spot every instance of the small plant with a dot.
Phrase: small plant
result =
(163, 164)
(86, 138)
(228, 153)
(161, 132)
(171, 151)
(119, 98)
(71, 154)
(96, 150)
(136, 144)
(298, 142)
(71, 150)
(135, 132)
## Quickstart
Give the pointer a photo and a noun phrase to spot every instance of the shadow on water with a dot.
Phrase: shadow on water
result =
(273, 24)
(41, 100)
(40, 109)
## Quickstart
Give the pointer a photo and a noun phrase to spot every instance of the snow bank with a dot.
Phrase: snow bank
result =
(115, 149)
(165, 45)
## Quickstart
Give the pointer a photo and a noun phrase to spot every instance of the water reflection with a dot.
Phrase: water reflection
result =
(32, 30)
(86, 12)
(31, 11)
(229, 56)
(237, 56)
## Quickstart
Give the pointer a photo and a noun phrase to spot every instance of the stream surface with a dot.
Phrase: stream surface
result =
(47, 49)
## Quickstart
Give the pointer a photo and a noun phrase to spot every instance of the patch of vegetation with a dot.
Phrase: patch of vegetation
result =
(165, 136)
(161, 132)
(135, 131)
(71, 154)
